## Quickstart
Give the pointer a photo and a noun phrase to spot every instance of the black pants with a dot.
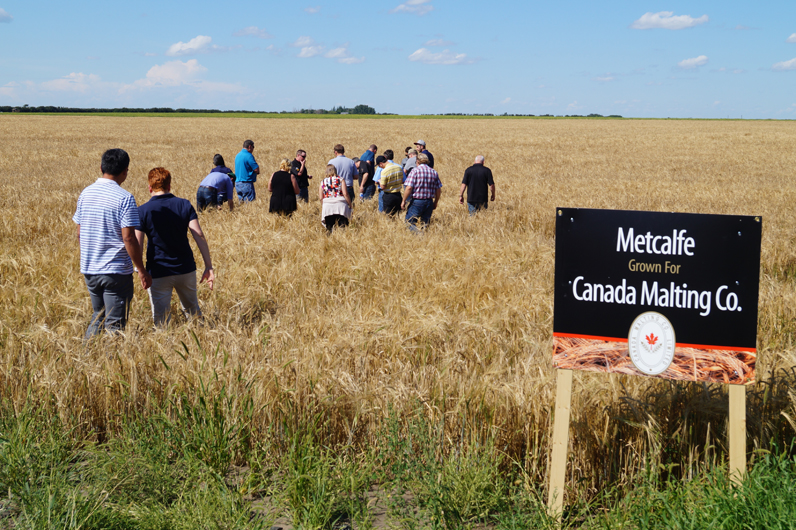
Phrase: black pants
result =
(334, 220)
(392, 203)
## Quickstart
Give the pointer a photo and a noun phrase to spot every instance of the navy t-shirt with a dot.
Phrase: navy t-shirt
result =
(164, 220)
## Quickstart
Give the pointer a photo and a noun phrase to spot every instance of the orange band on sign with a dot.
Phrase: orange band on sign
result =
(678, 344)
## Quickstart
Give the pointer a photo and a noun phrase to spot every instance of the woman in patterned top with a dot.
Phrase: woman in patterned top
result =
(336, 204)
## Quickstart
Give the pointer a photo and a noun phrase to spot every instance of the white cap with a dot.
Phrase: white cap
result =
(420, 142)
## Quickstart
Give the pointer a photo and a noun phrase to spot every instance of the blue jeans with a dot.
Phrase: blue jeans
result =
(111, 295)
(303, 195)
(381, 200)
(369, 191)
(473, 207)
(245, 191)
(419, 210)
(206, 197)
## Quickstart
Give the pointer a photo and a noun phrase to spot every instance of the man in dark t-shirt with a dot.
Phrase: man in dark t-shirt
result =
(165, 221)
(477, 181)
(299, 170)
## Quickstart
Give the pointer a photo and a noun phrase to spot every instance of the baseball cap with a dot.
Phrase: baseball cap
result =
(381, 159)
(420, 142)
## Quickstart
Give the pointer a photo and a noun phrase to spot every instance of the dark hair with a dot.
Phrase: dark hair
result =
(380, 160)
(339, 149)
(218, 160)
(407, 150)
(373, 147)
(389, 154)
(247, 144)
(301, 152)
(115, 162)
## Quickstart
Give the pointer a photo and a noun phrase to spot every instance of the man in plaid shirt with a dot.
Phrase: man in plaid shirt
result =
(425, 188)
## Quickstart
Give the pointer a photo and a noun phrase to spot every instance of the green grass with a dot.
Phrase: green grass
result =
(187, 466)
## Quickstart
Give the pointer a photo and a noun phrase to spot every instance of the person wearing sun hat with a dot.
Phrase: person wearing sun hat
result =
(421, 148)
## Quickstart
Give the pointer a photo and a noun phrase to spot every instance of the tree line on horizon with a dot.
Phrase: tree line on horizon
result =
(359, 109)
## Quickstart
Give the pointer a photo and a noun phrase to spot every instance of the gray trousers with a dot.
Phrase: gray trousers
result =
(160, 296)
(111, 295)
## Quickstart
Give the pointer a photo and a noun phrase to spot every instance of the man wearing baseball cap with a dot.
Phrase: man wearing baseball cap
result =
(421, 148)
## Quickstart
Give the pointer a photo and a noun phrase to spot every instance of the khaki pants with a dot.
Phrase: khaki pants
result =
(160, 296)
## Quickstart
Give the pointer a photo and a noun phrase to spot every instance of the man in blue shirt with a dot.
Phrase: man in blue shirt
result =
(166, 220)
(106, 219)
(246, 171)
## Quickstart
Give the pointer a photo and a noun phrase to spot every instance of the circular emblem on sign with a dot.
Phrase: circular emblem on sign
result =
(651, 343)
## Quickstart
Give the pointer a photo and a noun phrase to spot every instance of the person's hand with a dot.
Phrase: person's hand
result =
(209, 277)
(493, 198)
(461, 199)
(403, 205)
(146, 279)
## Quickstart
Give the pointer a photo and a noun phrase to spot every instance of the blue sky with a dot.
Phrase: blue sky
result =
(663, 58)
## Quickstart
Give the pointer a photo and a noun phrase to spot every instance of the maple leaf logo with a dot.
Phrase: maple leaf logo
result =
(651, 339)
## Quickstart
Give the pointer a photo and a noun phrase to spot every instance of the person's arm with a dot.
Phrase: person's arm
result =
(139, 236)
(407, 194)
(464, 187)
(320, 191)
(345, 194)
(230, 194)
(437, 195)
(364, 182)
(269, 183)
(492, 189)
(134, 251)
(78, 234)
(295, 184)
(199, 236)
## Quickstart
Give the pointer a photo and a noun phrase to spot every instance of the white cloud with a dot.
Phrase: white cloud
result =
(310, 51)
(310, 48)
(174, 73)
(197, 44)
(342, 56)
(253, 31)
(791, 39)
(303, 42)
(312, 10)
(180, 74)
(505, 101)
(416, 7)
(667, 20)
(439, 42)
(785, 65)
(74, 82)
(444, 57)
(5, 16)
(150, 54)
(604, 79)
(690, 64)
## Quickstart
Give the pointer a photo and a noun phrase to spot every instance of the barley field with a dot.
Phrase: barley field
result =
(373, 328)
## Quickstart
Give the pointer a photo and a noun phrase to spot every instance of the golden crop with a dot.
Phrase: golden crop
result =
(372, 318)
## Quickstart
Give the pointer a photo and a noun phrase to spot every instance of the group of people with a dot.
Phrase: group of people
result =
(111, 228)
(413, 185)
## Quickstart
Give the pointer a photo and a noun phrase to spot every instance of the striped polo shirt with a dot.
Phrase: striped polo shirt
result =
(392, 178)
(103, 209)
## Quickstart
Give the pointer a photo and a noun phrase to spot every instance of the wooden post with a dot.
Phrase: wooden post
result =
(558, 461)
(737, 433)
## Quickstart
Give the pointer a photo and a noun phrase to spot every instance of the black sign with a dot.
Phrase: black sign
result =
(701, 272)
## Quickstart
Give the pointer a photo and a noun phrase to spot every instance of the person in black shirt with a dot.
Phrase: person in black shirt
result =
(299, 170)
(477, 179)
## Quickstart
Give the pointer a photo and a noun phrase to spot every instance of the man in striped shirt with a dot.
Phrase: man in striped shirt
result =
(424, 186)
(391, 180)
(106, 218)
